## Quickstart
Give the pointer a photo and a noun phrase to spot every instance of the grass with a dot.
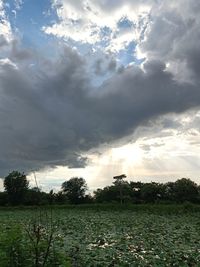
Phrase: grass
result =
(149, 208)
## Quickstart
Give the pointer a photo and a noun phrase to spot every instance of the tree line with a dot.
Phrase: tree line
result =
(75, 191)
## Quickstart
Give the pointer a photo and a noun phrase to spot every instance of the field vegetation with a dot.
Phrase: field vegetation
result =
(83, 236)
(125, 224)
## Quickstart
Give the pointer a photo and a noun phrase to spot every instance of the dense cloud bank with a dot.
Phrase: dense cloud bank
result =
(51, 112)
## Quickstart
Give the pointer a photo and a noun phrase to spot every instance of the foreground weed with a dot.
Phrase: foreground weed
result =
(45, 242)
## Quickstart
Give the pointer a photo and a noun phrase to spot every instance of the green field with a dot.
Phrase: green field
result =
(97, 237)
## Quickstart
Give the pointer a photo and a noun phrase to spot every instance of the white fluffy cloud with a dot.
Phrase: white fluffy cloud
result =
(161, 30)
(113, 23)
(5, 27)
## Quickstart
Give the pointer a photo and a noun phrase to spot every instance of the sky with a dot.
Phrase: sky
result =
(95, 89)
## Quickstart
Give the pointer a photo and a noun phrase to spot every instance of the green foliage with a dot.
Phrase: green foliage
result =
(16, 186)
(107, 194)
(185, 190)
(45, 243)
(75, 189)
(114, 194)
(31, 242)
(11, 247)
(3, 198)
(154, 235)
(33, 196)
(137, 192)
(151, 192)
(60, 198)
(121, 238)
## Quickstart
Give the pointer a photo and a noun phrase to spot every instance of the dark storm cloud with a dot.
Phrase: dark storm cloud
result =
(38, 115)
(50, 114)
(112, 65)
(104, 65)
(3, 41)
(135, 96)
(52, 117)
(18, 53)
(174, 37)
(98, 67)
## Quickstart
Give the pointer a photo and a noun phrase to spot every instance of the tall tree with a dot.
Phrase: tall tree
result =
(185, 190)
(107, 194)
(75, 189)
(151, 192)
(119, 180)
(16, 186)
